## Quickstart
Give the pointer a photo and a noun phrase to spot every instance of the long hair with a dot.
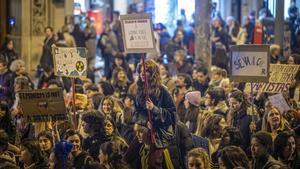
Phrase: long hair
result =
(212, 128)
(200, 153)
(192, 113)
(111, 103)
(33, 148)
(235, 137)
(154, 81)
(233, 156)
(240, 97)
(280, 142)
(115, 79)
(267, 127)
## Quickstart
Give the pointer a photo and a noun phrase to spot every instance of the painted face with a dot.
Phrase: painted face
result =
(107, 107)
(195, 163)
(274, 118)
(75, 140)
(234, 104)
(257, 149)
(108, 128)
(290, 148)
(45, 143)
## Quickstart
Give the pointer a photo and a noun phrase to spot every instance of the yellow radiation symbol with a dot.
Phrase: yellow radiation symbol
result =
(79, 66)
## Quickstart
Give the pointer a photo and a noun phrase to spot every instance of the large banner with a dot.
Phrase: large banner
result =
(137, 33)
(249, 63)
(43, 105)
(281, 77)
(70, 62)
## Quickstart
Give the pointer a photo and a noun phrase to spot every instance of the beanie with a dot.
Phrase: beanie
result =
(193, 97)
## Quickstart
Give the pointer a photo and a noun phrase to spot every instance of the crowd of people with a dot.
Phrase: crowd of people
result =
(190, 117)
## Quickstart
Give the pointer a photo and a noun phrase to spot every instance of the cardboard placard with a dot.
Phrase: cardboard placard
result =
(249, 63)
(279, 102)
(137, 33)
(281, 77)
(70, 62)
(43, 105)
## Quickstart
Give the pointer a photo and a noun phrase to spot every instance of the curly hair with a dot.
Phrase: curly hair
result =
(233, 156)
(200, 153)
(212, 128)
(154, 80)
(280, 142)
(235, 137)
(217, 94)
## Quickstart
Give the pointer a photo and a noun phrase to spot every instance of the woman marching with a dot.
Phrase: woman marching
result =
(153, 153)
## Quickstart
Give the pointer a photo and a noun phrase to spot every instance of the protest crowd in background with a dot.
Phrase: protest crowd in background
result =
(199, 117)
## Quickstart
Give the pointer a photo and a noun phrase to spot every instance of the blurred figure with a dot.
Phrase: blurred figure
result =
(79, 36)
(175, 44)
(68, 37)
(90, 37)
(8, 52)
(232, 157)
(46, 58)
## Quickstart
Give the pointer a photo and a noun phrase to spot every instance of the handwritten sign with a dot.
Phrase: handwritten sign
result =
(43, 105)
(279, 102)
(249, 63)
(70, 62)
(281, 77)
(137, 33)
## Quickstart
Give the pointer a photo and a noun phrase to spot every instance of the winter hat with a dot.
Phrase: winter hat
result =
(193, 97)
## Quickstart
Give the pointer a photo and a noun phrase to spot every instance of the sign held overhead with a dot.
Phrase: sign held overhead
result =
(249, 63)
(137, 33)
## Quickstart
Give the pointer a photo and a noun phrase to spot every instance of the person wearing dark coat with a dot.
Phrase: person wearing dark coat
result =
(162, 108)
(180, 146)
(6, 122)
(7, 52)
(46, 58)
(80, 159)
(93, 126)
(176, 43)
(5, 82)
(240, 118)
(79, 36)
(261, 150)
(46, 77)
(201, 82)
(181, 65)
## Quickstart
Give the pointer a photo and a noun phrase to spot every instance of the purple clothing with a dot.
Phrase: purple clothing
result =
(5, 83)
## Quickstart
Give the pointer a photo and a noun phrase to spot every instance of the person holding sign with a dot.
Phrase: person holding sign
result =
(162, 121)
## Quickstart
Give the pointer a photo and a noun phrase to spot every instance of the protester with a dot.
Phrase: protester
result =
(233, 157)
(261, 150)
(31, 156)
(198, 159)
(46, 144)
(285, 150)
(7, 52)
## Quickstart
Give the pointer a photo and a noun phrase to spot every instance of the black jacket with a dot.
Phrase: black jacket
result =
(92, 144)
(83, 161)
(46, 59)
(163, 116)
(180, 146)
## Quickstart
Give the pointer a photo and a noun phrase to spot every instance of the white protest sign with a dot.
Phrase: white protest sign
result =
(279, 102)
(137, 33)
(70, 62)
(249, 63)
